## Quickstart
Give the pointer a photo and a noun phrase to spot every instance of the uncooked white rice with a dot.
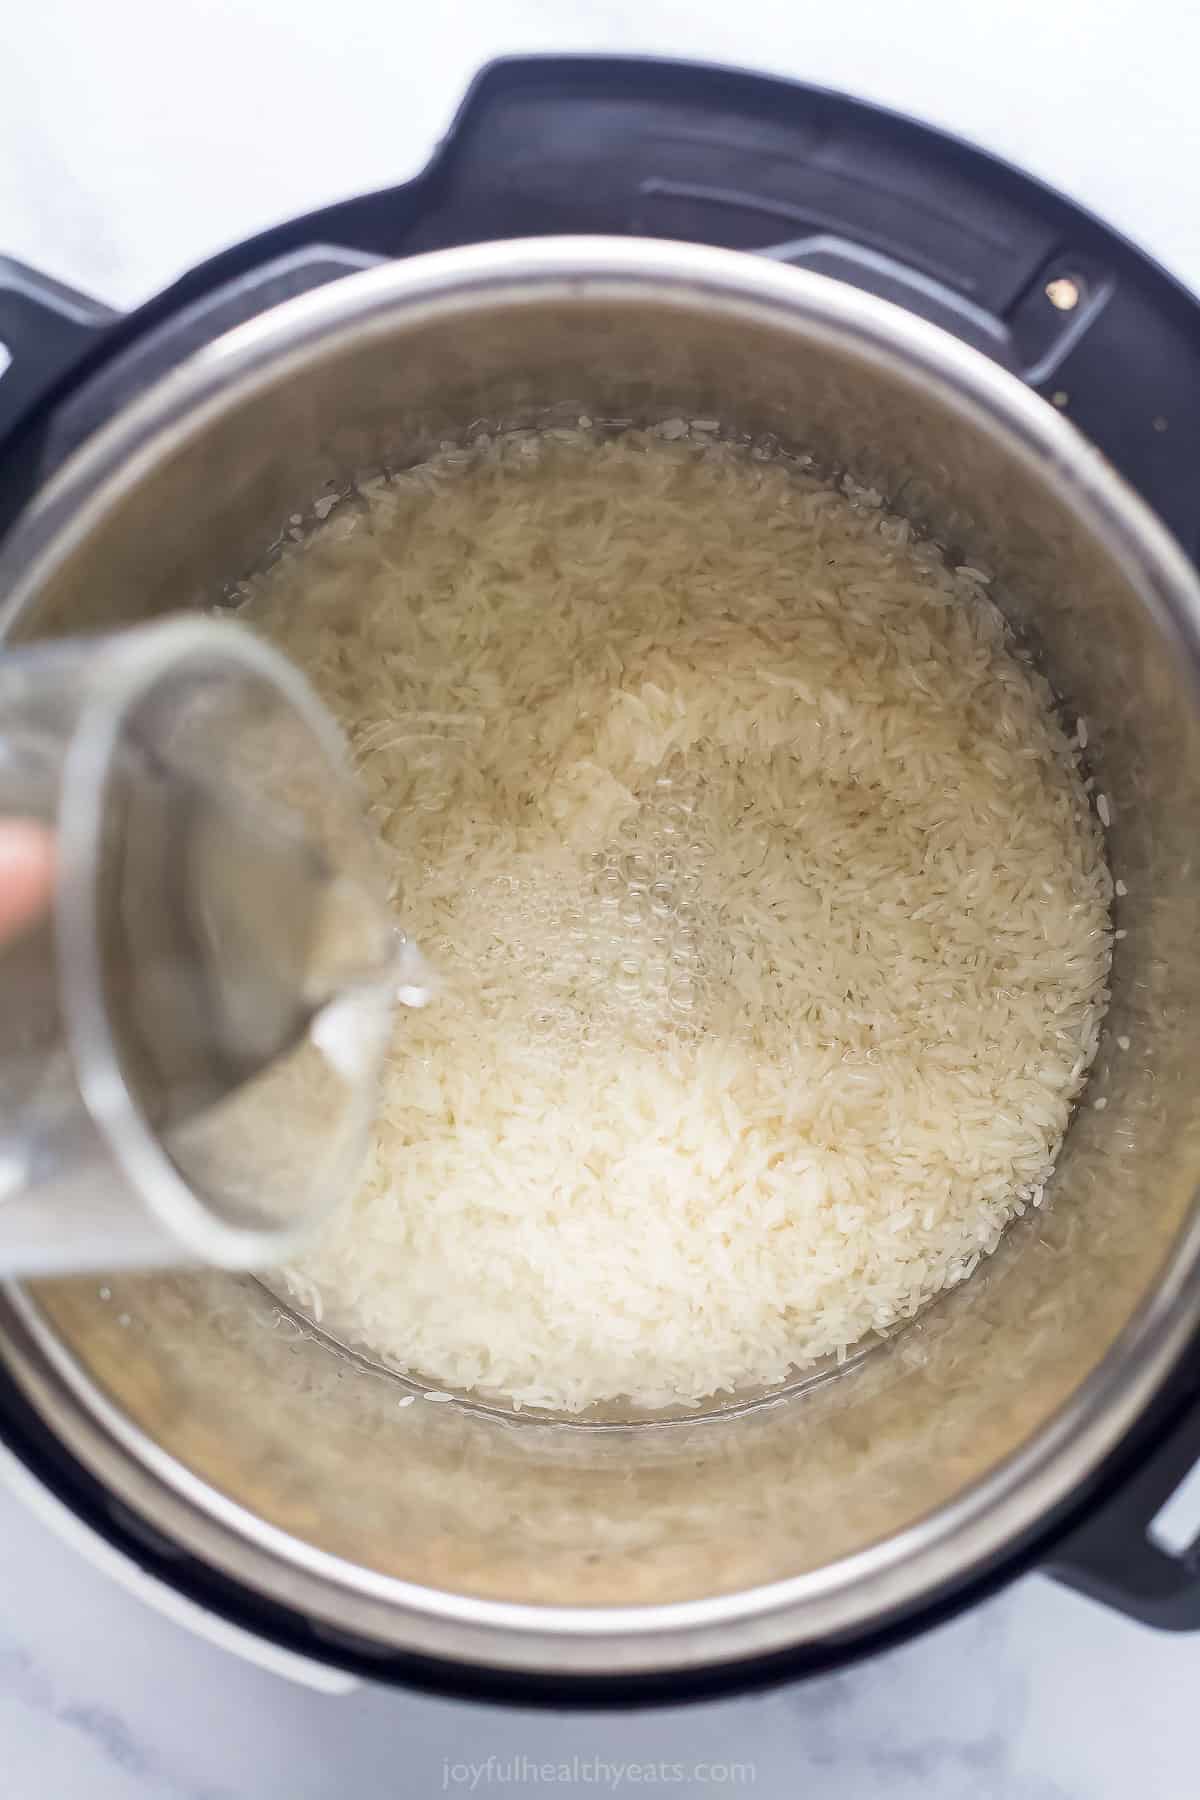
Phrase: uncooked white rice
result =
(771, 921)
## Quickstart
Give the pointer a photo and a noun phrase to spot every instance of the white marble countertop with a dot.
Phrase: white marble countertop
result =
(137, 138)
(1036, 1695)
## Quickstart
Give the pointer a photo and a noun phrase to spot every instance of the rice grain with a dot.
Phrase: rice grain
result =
(771, 920)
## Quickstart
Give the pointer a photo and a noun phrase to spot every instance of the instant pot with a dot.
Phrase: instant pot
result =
(642, 240)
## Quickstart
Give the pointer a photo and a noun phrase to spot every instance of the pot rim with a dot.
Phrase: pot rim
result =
(855, 1593)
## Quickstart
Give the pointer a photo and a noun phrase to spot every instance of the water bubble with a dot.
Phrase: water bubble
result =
(637, 868)
(629, 976)
(662, 899)
(682, 995)
(668, 864)
(611, 887)
(632, 909)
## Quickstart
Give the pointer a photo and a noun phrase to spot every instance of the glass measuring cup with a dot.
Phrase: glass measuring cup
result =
(190, 1035)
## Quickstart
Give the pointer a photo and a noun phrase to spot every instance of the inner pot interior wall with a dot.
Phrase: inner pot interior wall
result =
(204, 1365)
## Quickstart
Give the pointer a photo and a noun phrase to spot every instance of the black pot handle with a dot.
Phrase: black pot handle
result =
(719, 156)
(46, 329)
(543, 145)
(119, 356)
(1130, 1552)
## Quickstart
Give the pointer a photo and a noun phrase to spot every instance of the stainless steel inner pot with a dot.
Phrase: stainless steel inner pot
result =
(541, 1547)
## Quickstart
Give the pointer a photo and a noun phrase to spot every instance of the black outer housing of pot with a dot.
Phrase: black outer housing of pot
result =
(628, 146)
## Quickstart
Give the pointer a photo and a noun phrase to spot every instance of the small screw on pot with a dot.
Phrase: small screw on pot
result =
(1064, 292)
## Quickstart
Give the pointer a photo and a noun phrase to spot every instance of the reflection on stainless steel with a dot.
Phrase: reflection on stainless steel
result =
(532, 1545)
